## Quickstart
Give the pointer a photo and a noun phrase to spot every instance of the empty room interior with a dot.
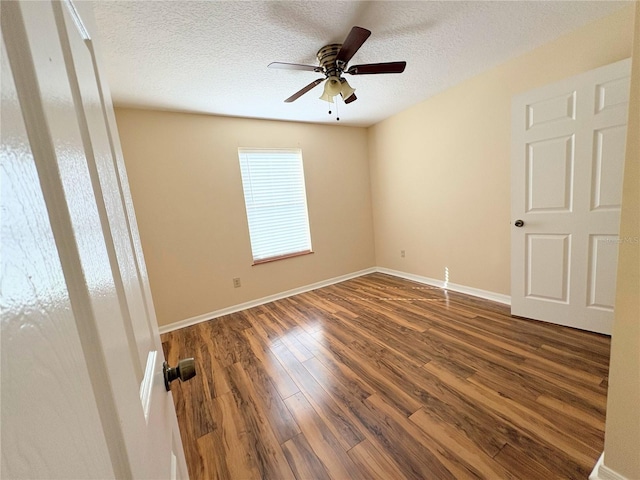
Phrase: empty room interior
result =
(429, 272)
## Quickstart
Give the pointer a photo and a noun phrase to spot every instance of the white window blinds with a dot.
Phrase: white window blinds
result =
(276, 202)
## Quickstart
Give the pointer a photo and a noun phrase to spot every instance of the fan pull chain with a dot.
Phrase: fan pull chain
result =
(337, 114)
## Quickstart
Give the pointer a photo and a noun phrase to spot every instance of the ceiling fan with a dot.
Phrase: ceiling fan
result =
(333, 60)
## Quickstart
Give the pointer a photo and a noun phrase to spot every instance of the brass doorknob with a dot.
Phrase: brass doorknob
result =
(185, 370)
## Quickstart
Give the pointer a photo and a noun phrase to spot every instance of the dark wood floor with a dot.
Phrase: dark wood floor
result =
(379, 377)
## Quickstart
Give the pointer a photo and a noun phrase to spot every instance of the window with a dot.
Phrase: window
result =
(276, 202)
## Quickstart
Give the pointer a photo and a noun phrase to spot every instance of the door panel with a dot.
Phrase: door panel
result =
(608, 167)
(568, 146)
(549, 174)
(603, 252)
(562, 107)
(612, 94)
(548, 259)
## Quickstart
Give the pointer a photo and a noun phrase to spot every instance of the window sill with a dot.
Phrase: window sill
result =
(281, 257)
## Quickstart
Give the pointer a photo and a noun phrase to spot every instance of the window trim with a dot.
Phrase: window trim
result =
(281, 257)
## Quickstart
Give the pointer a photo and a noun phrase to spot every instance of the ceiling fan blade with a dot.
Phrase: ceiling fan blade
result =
(301, 92)
(357, 36)
(351, 98)
(295, 66)
(373, 68)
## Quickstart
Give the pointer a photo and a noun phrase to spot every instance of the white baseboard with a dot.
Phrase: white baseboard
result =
(602, 472)
(474, 292)
(261, 301)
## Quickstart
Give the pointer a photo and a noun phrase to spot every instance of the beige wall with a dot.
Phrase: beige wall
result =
(187, 191)
(622, 438)
(440, 186)
(440, 171)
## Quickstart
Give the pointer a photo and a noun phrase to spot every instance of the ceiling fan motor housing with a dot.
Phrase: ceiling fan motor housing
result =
(327, 58)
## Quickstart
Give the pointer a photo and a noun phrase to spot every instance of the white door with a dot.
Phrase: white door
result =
(83, 392)
(568, 146)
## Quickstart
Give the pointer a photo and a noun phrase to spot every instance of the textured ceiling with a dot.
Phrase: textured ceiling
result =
(212, 56)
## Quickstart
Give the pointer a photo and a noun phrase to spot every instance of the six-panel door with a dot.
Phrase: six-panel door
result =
(568, 144)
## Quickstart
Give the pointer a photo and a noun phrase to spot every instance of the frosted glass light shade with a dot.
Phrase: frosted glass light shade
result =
(345, 89)
(332, 87)
(326, 97)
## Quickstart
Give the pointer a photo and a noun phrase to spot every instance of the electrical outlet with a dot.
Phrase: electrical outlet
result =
(236, 282)
(401, 253)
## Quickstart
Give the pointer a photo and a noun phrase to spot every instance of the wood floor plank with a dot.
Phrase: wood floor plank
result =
(333, 360)
(327, 448)
(373, 462)
(217, 382)
(529, 423)
(308, 317)
(579, 377)
(389, 335)
(262, 326)
(371, 375)
(263, 443)
(592, 399)
(516, 460)
(318, 300)
(420, 456)
(522, 415)
(303, 460)
(381, 377)
(251, 380)
(384, 434)
(456, 442)
(567, 409)
(482, 426)
(580, 431)
(229, 345)
(509, 377)
(338, 388)
(296, 348)
(197, 394)
(480, 347)
(371, 427)
(211, 454)
(280, 378)
(344, 431)
(238, 451)
(182, 403)
(578, 362)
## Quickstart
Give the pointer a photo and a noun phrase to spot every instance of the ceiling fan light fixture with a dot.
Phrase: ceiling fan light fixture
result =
(332, 87)
(326, 97)
(345, 89)
(333, 60)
